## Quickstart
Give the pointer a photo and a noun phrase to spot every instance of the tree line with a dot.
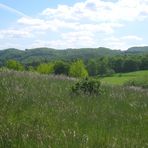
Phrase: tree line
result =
(101, 66)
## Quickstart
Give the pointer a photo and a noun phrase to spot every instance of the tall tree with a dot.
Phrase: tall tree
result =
(45, 68)
(92, 67)
(61, 67)
(144, 63)
(15, 65)
(131, 64)
(77, 69)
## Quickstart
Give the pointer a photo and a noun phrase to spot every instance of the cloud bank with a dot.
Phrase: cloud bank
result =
(91, 23)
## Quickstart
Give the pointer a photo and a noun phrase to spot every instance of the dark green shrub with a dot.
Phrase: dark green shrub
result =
(61, 67)
(87, 86)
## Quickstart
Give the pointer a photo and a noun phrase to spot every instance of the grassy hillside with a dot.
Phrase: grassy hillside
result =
(39, 111)
(121, 78)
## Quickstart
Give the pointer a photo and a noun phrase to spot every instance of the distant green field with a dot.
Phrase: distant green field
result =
(121, 78)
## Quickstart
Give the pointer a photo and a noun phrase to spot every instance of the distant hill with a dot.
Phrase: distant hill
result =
(48, 54)
(138, 49)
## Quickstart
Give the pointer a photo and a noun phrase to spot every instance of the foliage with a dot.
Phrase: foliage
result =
(144, 62)
(61, 67)
(109, 72)
(92, 67)
(31, 69)
(103, 66)
(97, 61)
(138, 49)
(45, 68)
(47, 54)
(77, 69)
(87, 86)
(34, 55)
(131, 64)
(15, 65)
(117, 64)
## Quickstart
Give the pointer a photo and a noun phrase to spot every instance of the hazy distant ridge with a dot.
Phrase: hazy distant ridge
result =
(43, 54)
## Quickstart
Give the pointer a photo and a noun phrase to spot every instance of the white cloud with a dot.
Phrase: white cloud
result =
(85, 24)
(125, 41)
(132, 37)
(98, 10)
(69, 40)
(13, 33)
(30, 21)
(42, 24)
(57, 24)
(62, 11)
(99, 27)
(33, 23)
(5, 45)
(79, 39)
(58, 44)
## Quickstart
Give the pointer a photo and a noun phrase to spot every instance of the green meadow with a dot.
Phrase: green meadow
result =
(40, 111)
(121, 78)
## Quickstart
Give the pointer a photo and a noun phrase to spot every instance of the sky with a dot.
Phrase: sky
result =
(61, 24)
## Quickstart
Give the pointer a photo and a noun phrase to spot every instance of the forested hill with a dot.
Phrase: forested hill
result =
(138, 49)
(48, 54)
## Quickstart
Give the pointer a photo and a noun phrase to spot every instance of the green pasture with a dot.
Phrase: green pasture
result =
(121, 78)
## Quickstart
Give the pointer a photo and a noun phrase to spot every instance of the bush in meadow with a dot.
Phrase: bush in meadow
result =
(87, 86)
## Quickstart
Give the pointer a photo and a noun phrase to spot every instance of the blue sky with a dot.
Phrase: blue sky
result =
(117, 24)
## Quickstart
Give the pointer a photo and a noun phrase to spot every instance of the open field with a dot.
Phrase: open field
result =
(121, 78)
(39, 111)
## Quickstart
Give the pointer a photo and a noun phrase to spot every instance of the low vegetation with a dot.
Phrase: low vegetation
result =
(138, 82)
(39, 111)
(87, 86)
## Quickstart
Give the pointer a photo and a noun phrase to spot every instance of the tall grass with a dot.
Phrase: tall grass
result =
(138, 82)
(39, 111)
